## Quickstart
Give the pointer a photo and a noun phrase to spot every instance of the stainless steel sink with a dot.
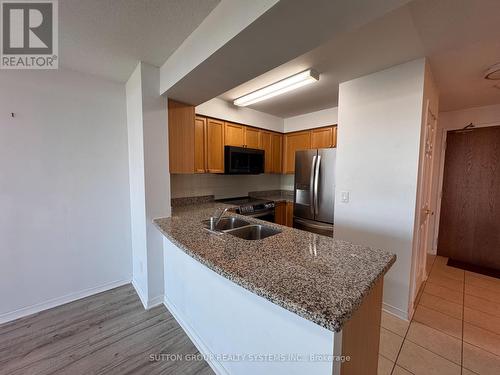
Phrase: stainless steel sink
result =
(253, 232)
(225, 223)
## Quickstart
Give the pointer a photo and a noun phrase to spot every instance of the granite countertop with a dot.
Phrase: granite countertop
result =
(318, 278)
(273, 195)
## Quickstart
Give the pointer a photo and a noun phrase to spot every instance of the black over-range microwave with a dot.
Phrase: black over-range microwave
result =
(241, 160)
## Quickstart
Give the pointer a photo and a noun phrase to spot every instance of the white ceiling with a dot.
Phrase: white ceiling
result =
(461, 38)
(108, 38)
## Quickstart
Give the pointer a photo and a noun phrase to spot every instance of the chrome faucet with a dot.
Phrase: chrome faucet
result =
(216, 219)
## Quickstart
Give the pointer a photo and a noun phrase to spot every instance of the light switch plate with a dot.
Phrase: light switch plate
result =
(344, 196)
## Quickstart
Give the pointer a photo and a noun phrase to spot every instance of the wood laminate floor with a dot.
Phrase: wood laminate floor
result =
(107, 333)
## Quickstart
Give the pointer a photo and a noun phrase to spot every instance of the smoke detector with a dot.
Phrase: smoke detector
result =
(493, 73)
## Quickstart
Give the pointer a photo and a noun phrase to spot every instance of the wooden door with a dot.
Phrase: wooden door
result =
(294, 142)
(322, 138)
(215, 146)
(265, 144)
(181, 137)
(252, 137)
(289, 214)
(280, 213)
(334, 135)
(276, 153)
(200, 150)
(469, 227)
(234, 134)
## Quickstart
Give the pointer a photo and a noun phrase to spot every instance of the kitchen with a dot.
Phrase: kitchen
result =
(221, 230)
(200, 144)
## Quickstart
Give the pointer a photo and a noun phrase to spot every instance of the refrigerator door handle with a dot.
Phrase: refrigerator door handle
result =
(315, 225)
(311, 185)
(316, 183)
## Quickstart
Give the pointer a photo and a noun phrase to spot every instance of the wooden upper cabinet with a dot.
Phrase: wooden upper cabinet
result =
(215, 146)
(295, 142)
(200, 149)
(334, 135)
(252, 138)
(181, 134)
(276, 153)
(265, 144)
(324, 137)
(234, 134)
(196, 143)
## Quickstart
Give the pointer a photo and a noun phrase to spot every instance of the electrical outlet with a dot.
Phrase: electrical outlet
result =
(141, 268)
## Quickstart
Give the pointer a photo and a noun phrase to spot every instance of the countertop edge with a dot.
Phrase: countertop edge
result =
(334, 325)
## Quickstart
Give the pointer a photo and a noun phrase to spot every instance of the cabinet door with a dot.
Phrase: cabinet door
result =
(280, 213)
(289, 214)
(266, 145)
(294, 142)
(334, 136)
(180, 137)
(322, 137)
(252, 137)
(234, 134)
(215, 146)
(200, 144)
(276, 153)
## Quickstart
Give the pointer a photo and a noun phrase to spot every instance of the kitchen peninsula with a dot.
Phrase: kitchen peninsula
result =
(285, 304)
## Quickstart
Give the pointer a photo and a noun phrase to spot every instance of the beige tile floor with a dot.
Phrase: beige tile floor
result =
(455, 329)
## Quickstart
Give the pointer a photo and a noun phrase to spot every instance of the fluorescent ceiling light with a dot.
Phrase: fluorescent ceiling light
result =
(288, 84)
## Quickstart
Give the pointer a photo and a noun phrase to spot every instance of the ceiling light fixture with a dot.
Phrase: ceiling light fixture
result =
(288, 84)
(493, 73)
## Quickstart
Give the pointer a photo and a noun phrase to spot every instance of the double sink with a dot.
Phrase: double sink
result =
(240, 228)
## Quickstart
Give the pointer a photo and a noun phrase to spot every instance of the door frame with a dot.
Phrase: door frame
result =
(419, 252)
(440, 177)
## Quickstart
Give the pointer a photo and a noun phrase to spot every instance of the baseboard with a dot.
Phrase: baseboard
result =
(216, 366)
(36, 308)
(146, 301)
(156, 301)
(395, 311)
(142, 296)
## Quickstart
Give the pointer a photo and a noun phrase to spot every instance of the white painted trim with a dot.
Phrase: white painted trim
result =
(395, 311)
(147, 303)
(143, 297)
(196, 339)
(33, 309)
(156, 301)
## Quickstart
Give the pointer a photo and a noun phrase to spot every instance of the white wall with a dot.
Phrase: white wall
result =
(221, 109)
(222, 186)
(480, 117)
(64, 197)
(377, 163)
(223, 318)
(325, 117)
(149, 179)
(137, 183)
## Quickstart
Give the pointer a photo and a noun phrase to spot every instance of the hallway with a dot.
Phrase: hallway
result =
(455, 329)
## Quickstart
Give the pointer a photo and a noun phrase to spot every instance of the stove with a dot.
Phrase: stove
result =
(258, 208)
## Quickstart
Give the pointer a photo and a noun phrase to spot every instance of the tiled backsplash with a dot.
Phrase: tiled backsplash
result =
(222, 186)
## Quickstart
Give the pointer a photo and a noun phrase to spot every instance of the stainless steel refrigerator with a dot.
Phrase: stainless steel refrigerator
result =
(314, 186)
